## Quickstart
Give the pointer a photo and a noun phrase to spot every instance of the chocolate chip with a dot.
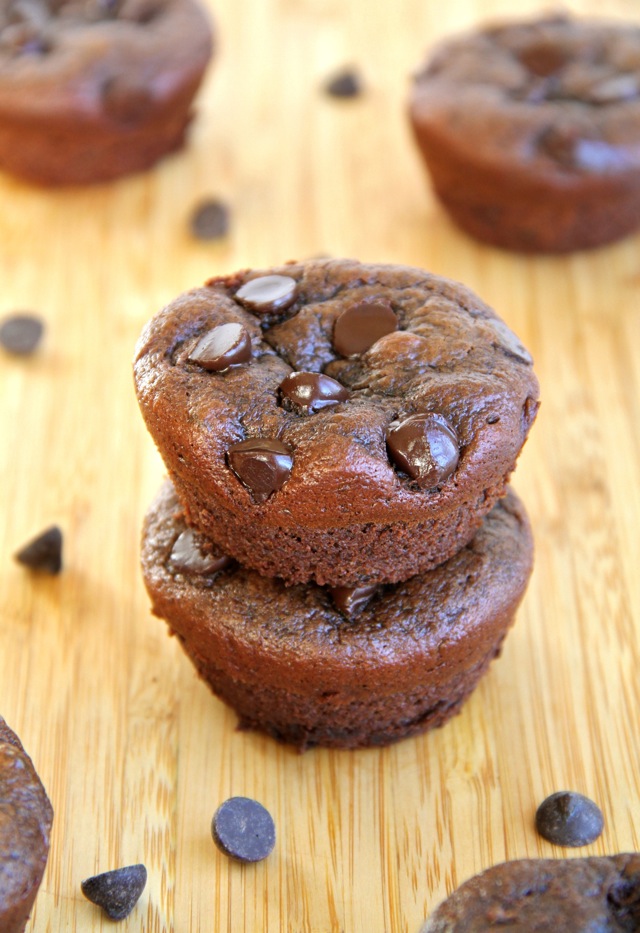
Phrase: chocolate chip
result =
(262, 465)
(350, 600)
(567, 146)
(21, 333)
(617, 88)
(346, 83)
(359, 326)
(243, 829)
(509, 342)
(544, 58)
(569, 819)
(310, 392)
(210, 220)
(267, 293)
(425, 447)
(187, 556)
(223, 346)
(44, 552)
(126, 99)
(117, 891)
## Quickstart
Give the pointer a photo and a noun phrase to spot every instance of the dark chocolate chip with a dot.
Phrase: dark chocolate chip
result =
(267, 293)
(310, 392)
(44, 552)
(187, 556)
(350, 600)
(117, 891)
(243, 829)
(346, 83)
(529, 412)
(425, 447)
(359, 326)
(210, 220)
(615, 89)
(261, 464)
(543, 58)
(569, 819)
(223, 346)
(509, 342)
(21, 333)
(567, 146)
(126, 99)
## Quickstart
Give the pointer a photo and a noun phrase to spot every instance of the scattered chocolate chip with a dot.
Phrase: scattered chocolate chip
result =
(346, 83)
(311, 392)
(569, 819)
(118, 891)
(543, 58)
(359, 326)
(21, 333)
(187, 556)
(44, 552)
(223, 346)
(425, 447)
(210, 220)
(267, 293)
(243, 829)
(350, 600)
(262, 465)
(509, 342)
(126, 99)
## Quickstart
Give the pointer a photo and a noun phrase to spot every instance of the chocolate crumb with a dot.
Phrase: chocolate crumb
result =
(345, 84)
(43, 553)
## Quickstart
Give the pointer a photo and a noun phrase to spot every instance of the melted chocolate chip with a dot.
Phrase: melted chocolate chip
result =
(21, 333)
(126, 99)
(44, 552)
(261, 464)
(210, 220)
(310, 392)
(543, 58)
(569, 819)
(118, 891)
(425, 447)
(615, 89)
(509, 342)
(359, 326)
(186, 556)
(571, 150)
(243, 829)
(267, 293)
(345, 84)
(350, 600)
(223, 346)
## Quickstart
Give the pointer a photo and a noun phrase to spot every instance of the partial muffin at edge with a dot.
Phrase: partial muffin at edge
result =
(295, 667)
(538, 895)
(90, 91)
(530, 131)
(346, 512)
(25, 824)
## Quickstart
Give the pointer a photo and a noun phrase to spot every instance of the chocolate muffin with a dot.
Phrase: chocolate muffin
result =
(25, 824)
(94, 89)
(333, 421)
(531, 132)
(347, 668)
(582, 895)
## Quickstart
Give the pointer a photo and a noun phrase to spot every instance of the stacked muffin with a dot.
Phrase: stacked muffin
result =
(337, 551)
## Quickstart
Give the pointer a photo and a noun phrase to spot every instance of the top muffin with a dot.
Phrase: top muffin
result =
(335, 421)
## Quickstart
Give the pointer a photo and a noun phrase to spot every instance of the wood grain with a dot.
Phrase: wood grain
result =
(135, 752)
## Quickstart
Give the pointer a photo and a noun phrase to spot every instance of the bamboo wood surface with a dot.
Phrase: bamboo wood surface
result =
(135, 752)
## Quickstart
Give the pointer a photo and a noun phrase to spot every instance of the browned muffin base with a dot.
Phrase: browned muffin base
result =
(25, 824)
(291, 665)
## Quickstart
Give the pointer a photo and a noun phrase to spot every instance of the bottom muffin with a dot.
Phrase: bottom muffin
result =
(25, 825)
(293, 664)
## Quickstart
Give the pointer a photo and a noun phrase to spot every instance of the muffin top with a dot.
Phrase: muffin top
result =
(335, 392)
(556, 94)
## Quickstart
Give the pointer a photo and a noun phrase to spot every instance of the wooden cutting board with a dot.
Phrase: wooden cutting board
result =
(135, 752)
